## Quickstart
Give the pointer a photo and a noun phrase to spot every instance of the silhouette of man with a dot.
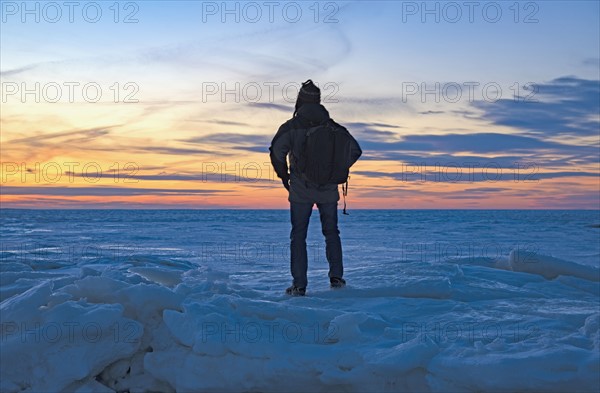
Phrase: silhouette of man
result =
(303, 194)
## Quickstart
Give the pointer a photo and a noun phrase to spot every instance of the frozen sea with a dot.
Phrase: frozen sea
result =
(192, 300)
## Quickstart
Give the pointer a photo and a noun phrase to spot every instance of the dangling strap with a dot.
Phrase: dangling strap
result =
(344, 193)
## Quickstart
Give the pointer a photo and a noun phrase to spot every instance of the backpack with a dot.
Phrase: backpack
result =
(325, 154)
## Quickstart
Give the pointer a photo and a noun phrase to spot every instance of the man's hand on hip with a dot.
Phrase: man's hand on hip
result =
(286, 182)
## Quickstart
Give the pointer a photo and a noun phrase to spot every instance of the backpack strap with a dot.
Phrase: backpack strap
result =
(344, 193)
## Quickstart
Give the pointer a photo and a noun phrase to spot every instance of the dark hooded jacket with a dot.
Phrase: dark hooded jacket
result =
(289, 137)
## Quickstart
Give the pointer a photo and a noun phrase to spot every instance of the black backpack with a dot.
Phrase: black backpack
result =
(325, 157)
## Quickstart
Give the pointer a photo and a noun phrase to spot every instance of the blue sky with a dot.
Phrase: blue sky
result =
(367, 57)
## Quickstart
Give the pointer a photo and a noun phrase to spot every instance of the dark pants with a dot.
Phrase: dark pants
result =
(300, 214)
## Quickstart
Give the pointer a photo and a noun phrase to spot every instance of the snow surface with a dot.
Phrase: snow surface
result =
(182, 307)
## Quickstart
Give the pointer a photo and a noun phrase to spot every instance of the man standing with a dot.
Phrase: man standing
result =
(305, 190)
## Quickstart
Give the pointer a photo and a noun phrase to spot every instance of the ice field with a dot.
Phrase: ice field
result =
(176, 300)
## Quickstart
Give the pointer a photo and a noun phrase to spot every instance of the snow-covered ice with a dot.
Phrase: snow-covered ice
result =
(103, 301)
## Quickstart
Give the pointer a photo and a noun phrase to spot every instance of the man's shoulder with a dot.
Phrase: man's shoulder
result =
(288, 125)
(284, 129)
(337, 125)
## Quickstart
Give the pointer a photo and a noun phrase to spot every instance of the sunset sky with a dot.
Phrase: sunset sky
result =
(200, 91)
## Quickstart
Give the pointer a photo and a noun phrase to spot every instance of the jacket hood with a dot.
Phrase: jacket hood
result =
(312, 114)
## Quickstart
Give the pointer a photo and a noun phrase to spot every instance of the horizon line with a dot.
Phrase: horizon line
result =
(287, 209)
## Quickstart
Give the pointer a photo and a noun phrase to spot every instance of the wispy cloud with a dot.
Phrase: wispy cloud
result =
(224, 122)
(79, 136)
(103, 191)
(248, 142)
(468, 175)
(173, 151)
(212, 172)
(566, 106)
(19, 70)
(592, 62)
(431, 113)
(270, 105)
(484, 148)
(371, 125)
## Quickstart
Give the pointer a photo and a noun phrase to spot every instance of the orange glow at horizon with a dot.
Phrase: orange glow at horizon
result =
(124, 155)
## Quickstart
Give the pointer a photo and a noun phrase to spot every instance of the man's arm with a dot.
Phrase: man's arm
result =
(280, 146)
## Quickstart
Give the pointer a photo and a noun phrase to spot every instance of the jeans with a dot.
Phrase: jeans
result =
(300, 215)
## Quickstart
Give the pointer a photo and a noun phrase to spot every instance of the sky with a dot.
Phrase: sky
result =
(173, 104)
